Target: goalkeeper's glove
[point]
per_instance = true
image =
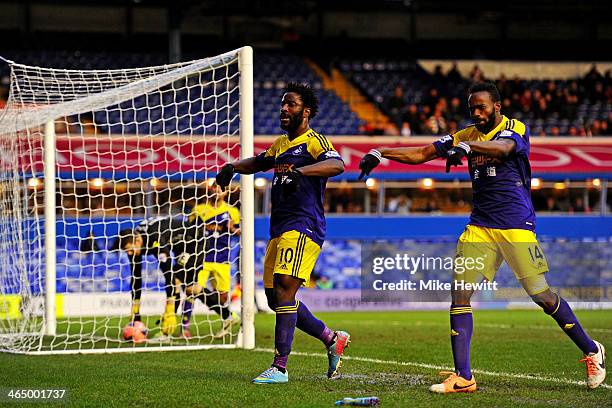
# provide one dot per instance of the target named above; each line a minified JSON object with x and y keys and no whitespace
{"x":368,"y":162}
{"x":224,"y":177}
{"x":290,"y":182}
{"x":182,"y":259}
{"x":168,"y":320}
{"x":455,"y":155}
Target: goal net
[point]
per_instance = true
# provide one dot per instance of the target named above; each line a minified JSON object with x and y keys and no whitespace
{"x":86,"y":156}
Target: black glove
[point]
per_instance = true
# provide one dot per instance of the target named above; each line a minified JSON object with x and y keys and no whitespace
{"x":290,"y":182}
{"x":368,"y":162}
{"x":455,"y":154}
{"x":224,"y":177}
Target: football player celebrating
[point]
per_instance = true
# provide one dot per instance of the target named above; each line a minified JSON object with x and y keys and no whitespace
{"x":302,"y":160}
{"x":501,"y":226}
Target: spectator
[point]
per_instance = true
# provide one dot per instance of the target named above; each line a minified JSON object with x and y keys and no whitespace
{"x":442,"y":105}
{"x":320,"y":281}
{"x":526,"y":101}
{"x":453,"y":75}
{"x":507,"y":107}
{"x":554,"y":131}
{"x":598,"y":94}
{"x":455,"y":110}
{"x":438,"y":76}
{"x":592,"y":77}
{"x":432,"y":206}
{"x":436,"y":124}
{"x":476,"y":74}
{"x":406,"y":130}
{"x":432,"y":99}
{"x":604,"y":128}
{"x":550,"y":87}
{"x":399,"y":205}
{"x":537,"y":95}
{"x":551,"y":205}
{"x":373,"y":128}
{"x":396,"y":103}
{"x":570,"y":108}
{"x":575,"y":89}
{"x":550,"y":104}
{"x":541,"y":108}
{"x":424,"y":115}
{"x":389,"y":129}
{"x":452,"y":127}
{"x":555,"y":100}
{"x":412,"y":117}
{"x":504,"y":87}
{"x":324,"y":283}
{"x":595,"y":128}
{"x":579,"y":206}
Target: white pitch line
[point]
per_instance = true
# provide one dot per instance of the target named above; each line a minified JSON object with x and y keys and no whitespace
{"x":552,"y":327}
{"x":443,"y":368}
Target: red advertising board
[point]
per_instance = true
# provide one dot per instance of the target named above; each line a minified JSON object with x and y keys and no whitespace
{"x":172,"y":155}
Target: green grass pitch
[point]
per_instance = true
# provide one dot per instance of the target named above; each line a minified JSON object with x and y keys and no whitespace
{"x":521,"y":358}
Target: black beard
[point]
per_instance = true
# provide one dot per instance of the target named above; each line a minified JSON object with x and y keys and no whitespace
{"x":488,"y":126}
{"x":294,"y":122}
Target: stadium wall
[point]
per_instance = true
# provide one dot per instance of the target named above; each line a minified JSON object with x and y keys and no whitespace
{"x":374,"y":227}
{"x":98,"y":283}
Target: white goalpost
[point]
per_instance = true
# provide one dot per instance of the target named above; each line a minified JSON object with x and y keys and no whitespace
{"x":86,"y":155}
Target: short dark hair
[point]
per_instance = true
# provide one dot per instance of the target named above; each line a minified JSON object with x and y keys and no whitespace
{"x":126,"y":236}
{"x":309,"y":99}
{"x":487,"y":86}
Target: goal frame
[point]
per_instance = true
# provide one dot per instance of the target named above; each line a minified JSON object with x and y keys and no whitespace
{"x":246,"y":336}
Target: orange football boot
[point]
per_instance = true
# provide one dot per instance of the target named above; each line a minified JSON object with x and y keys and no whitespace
{"x":454,"y":383}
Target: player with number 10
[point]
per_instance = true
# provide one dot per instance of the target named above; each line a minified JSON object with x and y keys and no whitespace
{"x":302,"y":161}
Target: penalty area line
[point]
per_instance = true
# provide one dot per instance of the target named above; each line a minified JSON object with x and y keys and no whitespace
{"x":443,"y":368}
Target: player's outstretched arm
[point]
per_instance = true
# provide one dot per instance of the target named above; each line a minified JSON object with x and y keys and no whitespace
{"x":498,"y":149}
{"x":406,"y":155}
{"x":250,"y":165}
{"x":291,"y":181}
{"x":494,"y":148}
{"x":409,"y":155}
{"x":325,"y":168}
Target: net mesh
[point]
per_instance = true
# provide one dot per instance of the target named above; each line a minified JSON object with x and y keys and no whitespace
{"x":131,"y":145}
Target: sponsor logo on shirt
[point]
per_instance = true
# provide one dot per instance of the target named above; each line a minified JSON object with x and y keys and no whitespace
{"x":331,"y":154}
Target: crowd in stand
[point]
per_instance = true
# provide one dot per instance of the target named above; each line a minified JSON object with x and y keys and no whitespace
{"x":581,"y":107}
